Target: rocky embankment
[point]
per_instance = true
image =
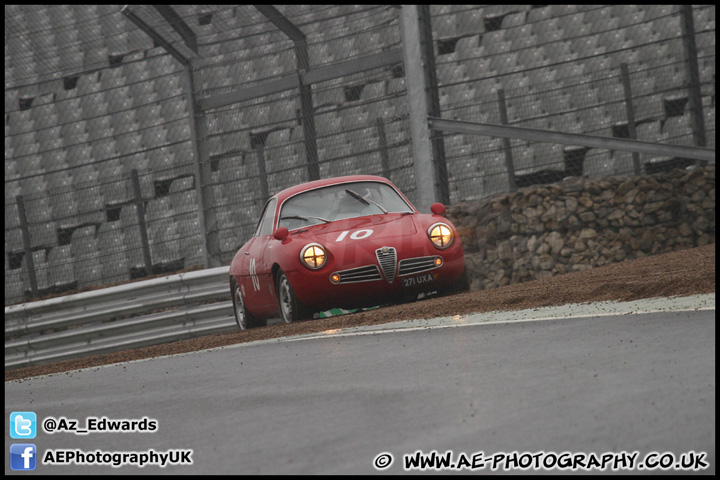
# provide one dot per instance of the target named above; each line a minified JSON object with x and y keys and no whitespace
{"x":541,"y":231}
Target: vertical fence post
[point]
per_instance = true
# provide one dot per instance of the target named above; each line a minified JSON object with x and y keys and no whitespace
{"x":308,"y":113}
{"x":200,"y":167}
{"x":433,"y":102}
{"x":382,"y":141}
{"x":630,"y":112}
{"x":423,"y":166}
{"x":509,"y":164}
{"x":141,"y":221}
{"x":209,"y":205}
{"x":259,"y":148}
{"x":26,"y":245}
{"x":303,"y":66}
{"x":692,"y":75}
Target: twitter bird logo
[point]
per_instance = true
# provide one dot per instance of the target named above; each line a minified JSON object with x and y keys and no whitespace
{"x":23,"y":425}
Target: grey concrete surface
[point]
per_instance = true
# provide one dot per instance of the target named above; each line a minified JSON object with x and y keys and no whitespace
{"x":642,"y":382}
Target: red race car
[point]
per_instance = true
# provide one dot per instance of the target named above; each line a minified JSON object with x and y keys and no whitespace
{"x":345,"y":242}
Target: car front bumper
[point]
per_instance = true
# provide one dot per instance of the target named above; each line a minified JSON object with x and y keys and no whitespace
{"x":376,"y":279}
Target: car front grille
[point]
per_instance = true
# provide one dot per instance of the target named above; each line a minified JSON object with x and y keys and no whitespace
{"x":411,"y":266}
{"x":387,"y":257}
{"x":368,"y":273}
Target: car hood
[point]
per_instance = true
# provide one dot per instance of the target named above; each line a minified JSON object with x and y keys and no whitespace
{"x":375,"y":227}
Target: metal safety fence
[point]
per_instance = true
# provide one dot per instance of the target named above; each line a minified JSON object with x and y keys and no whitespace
{"x":128,"y":316}
{"x":146,"y":139}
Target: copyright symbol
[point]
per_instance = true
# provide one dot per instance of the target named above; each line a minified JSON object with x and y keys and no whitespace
{"x":383,"y":461}
{"x":49,"y":425}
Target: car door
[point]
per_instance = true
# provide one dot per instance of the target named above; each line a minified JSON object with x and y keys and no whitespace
{"x":258,"y":283}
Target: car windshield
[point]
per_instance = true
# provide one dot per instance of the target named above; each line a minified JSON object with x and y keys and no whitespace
{"x":338,"y":202}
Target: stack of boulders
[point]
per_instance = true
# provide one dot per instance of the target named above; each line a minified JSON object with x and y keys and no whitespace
{"x":540,"y":231}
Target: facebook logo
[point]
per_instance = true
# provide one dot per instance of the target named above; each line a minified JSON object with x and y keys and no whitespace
{"x":23,"y":425}
{"x":22,"y":456}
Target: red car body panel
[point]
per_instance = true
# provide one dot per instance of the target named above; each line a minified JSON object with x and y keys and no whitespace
{"x":352,"y":245}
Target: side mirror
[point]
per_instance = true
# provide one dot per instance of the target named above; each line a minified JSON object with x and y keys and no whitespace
{"x":281,"y":233}
{"x":437,"y":208}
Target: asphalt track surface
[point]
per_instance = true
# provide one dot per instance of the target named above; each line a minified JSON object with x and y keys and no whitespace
{"x":331,"y":404}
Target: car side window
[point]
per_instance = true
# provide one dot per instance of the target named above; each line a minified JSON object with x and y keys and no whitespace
{"x":265,"y":227}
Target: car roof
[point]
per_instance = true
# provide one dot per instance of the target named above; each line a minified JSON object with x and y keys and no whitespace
{"x":289,"y":192}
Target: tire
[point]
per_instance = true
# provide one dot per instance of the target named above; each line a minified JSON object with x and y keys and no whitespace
{"x":291,"y":309}
{"x":243,"y":317}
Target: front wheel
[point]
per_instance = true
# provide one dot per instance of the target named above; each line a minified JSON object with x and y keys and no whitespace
{"x":243,"y":317}
{"x":291,"y":309}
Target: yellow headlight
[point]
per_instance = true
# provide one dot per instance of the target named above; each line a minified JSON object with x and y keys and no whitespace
{"x":313,"y":256}
{"x":440,"y":235}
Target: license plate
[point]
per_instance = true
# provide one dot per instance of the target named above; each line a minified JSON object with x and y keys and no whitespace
{"x":418,"y":280}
